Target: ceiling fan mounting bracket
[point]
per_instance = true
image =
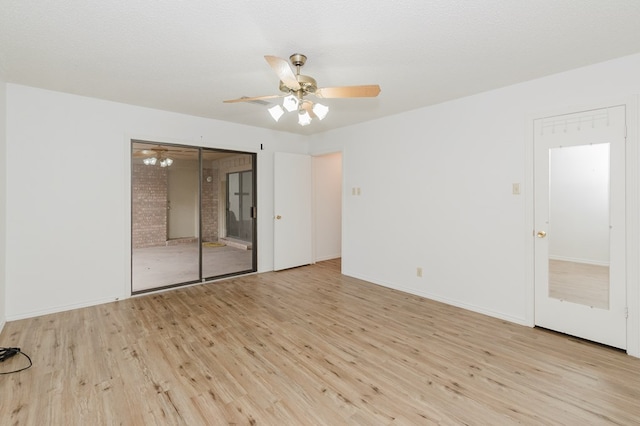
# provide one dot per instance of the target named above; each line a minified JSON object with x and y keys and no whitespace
{"x":298,"y":59}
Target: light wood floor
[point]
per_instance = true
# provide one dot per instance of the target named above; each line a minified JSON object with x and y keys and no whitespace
{"x":306,"y":346}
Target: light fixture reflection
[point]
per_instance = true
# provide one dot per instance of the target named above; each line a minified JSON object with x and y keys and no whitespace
{"x":290,"y":103}
{"x":320,"y":110}
{"x":276,"y":112}
{"x":161,"y":160}
{"x":304,"y":119}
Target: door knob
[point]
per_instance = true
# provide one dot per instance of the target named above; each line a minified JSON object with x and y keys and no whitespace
{"x":542,"y":234}
{"x":278,"y":217}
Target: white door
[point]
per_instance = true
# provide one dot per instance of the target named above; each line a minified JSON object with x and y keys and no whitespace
{"x":580,"y":225}
{"x":292,"y":211}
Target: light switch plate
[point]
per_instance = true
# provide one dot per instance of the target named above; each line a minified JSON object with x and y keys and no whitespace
{"x":516,"y":189}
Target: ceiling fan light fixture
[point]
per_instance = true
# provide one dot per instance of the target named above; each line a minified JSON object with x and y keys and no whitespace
{"x":290,"y":103}
{"x":304,"y":119}
{"x":166,"y":162}
{"x":296,"y":87}
{"x":320,"y":110}
{"x":276,"y":112}
{"x":151,"y":161}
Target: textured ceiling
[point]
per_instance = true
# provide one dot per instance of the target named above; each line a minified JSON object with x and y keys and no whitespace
{"x":188,"y":56}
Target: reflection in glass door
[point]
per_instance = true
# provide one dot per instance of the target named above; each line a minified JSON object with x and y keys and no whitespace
{"x":179,"y":228}
{"x":239,"y":205}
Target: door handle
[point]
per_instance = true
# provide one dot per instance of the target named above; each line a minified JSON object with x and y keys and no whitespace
{"x":541,"y":234}
{"x":278,"y":217}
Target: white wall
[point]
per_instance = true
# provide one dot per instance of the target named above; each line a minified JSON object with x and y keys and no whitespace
{"x":327,"y":210}
{"x":437,"y":189}
{"x":3,"y":185}
{"x":68,"y":192}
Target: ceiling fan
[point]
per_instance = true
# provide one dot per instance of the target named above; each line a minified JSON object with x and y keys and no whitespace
{"x":297,"y":86}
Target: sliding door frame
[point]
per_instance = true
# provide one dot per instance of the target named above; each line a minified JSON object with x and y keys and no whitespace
{"x":201,"y":278}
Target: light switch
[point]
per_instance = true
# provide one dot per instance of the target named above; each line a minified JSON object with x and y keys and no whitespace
{"x":516,"y":189}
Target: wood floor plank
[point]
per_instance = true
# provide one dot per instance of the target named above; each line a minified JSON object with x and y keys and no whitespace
{"x":306,"y":346}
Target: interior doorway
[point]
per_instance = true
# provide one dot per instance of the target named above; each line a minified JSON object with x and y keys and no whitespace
{"x":179,"y":229}
{"x":327,"y":206}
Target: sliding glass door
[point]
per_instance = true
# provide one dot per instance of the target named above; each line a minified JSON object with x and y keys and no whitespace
{"x":223,"y":251}
{"x":179,"y":220}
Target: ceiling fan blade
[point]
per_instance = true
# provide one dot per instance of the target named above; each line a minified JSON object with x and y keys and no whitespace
{"x":284,"y":71}
{"x":308,"y":106}
{"x":368,"y":91}
{"x":249,"y":99}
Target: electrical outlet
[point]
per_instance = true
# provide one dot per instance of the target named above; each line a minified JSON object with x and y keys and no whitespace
{"x":419,"y":272}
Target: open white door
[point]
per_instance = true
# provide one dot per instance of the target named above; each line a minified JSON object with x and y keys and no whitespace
{"x":292,"y":211}
{"x":580,"y":277}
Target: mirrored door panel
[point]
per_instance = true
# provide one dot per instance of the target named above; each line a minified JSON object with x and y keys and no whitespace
{"x":579,"y":224}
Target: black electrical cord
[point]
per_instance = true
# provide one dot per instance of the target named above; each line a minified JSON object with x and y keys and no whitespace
{"x":6,"y":353}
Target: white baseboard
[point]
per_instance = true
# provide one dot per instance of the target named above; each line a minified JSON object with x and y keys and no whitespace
{"x":456,"y":303}
{"x":62,"y":308}
{"x":328,"y":257}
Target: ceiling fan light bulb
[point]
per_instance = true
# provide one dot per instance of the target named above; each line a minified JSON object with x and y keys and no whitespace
{"x":290,"y":103}
{"x":151,"y":161}
{"x":276,"y":112}
{"x":304,"y":119}
{"x":169,"y":161}
{"x":320,"y":110}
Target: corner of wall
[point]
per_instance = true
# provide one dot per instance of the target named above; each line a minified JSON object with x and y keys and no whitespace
{"x":3,"y":198}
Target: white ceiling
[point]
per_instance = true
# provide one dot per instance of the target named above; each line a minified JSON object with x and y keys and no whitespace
{"x":189,"y":56}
